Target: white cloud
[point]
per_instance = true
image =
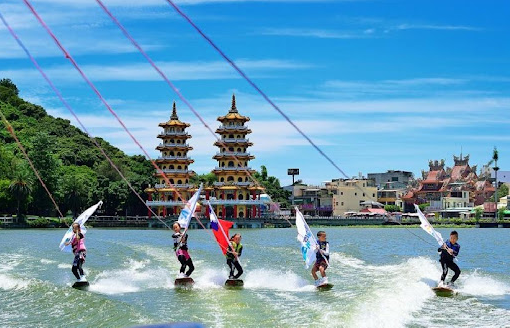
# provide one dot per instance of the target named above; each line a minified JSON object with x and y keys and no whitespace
{"x":317,"y":33}
{"x":200,"y":70}
{"x":436,"y":27}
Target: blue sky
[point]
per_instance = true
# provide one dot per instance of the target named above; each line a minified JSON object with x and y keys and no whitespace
{"x":377,"y":84}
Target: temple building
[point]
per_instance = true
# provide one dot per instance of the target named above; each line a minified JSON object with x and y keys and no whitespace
{"x":449,"y":190}
{"x":234,"y":194}
{"x":166,"y":198}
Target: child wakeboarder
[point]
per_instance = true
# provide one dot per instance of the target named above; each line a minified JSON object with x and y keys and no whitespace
{"x":80,"y":252}
{"x":181,"y":250}
{"x":322,"y":259}
{"x":449,"y":252}
{"x":235,"y":249}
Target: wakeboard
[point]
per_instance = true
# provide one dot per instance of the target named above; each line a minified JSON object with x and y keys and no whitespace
{"x":232,"y":283}
{"x":184,"y":282}
{"x":444,"y":291}
{"x":81,"y":285}
{"x":326,"y":286}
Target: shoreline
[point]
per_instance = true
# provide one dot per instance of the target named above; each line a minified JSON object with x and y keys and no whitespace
{"x":369,"y":226}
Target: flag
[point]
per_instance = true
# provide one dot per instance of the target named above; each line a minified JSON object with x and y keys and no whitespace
{"x":425,"y":225}
{"x":220,"y":230}
{"x":306,"y":238}
{"x":81,"y":221}
{"x":188,"y":210}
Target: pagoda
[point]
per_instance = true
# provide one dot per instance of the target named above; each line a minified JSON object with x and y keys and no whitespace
{"x":174,"y":162}
{"x":235,"y":195}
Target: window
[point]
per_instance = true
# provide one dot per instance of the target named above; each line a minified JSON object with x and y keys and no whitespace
{"x":336,"y":203}
{"x":172,"y":153}
{"x":230,"y":178}
{"x":222,"y":180}
{"x":239,"y":179}
{"x":394,"y":179}
{"x":179,"y":167}
{"x":231,"y":164}
{"x":355,"y":194}
{"x":342,"y":203}
{"x":171,"y":167}
{"x":172,"y":181}
{"x":363,"y":194}
{"x":341,"y":193}
{"x":373,"y":195}
{"x":179,"y":182}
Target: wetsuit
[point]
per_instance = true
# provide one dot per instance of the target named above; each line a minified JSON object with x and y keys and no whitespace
{"x":232,"y":261}
{"x":322,"y":255}
{"x":182,"y":253}
{"x":80,"y":253}
{"x":446,"y":260}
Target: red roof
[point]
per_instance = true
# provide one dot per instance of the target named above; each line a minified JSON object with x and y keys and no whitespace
{"x":374,"y":210}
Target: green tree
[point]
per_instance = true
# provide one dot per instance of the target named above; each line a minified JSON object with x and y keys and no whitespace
{"x":20,"y":187}
{"x":501,"y":214}
{"x":7,"y":83}
{"x":208,"y":179}
{"x":392,"y":208}
{"x":6,"y":199}
{"x":272,"y":187}
{"x":47,"y":164}
{"x":478,"y":213}
{"x":75,"y":185}
{"x":502,"y":192}
{"x":423,"y":206}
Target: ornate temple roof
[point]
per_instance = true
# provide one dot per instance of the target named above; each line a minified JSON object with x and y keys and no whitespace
{"x":174,"y":119}
{"x":233,"y":114}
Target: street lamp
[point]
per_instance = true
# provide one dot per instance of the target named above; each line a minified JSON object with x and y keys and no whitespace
{"x":495,"y":157}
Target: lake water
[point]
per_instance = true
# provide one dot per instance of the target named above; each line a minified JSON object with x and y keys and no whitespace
{"x":382,"y":278}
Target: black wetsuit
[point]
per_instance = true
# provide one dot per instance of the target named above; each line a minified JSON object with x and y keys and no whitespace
{"x":446,"y":261}
{"x":232,"y":261}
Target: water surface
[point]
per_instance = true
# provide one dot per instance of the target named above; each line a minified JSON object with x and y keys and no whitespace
{"x":382,"y":278}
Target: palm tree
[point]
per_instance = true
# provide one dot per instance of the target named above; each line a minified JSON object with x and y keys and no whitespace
{"x":20,"y":187}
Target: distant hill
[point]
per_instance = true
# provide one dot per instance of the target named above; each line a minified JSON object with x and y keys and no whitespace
{"x":71,"y":166}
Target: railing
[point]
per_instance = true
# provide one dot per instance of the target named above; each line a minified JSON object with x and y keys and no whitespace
{"x":238,"y":201}
{"x":174,"y":157}
{"x":232,"y":153}
{"x":233,"y":127}
{"x":174,"y":171}
{"x":172,"y":145}
{"x":232,"y":168}
{"x":228,"y":183}
{"x":164,"y":203}
{"x":173,"y":134}
{"x":164,"y":185}
{"x":235,"y":140}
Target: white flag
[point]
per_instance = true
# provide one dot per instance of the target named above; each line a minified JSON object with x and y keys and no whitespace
{"x":188,"y":210}
{"x":81,"y":221}
{"x":306,"y":238}
{"x":425,"y":225}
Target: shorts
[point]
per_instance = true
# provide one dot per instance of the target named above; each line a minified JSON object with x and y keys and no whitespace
{"x":320,"y":263}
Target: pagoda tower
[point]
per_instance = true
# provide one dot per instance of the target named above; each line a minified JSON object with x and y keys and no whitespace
{"x":174,"y":162}
{"x":236,"y":196}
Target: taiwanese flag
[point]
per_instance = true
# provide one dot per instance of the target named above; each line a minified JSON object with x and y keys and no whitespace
{"x":220,"y":230}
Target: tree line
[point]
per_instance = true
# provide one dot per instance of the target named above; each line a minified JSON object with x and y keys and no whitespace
{"x":72,"y":167}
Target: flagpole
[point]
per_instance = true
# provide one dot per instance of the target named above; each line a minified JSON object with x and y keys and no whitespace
{"x":192,"y":211}
{"x":222,"y":231}
{"x":315,"y":240}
